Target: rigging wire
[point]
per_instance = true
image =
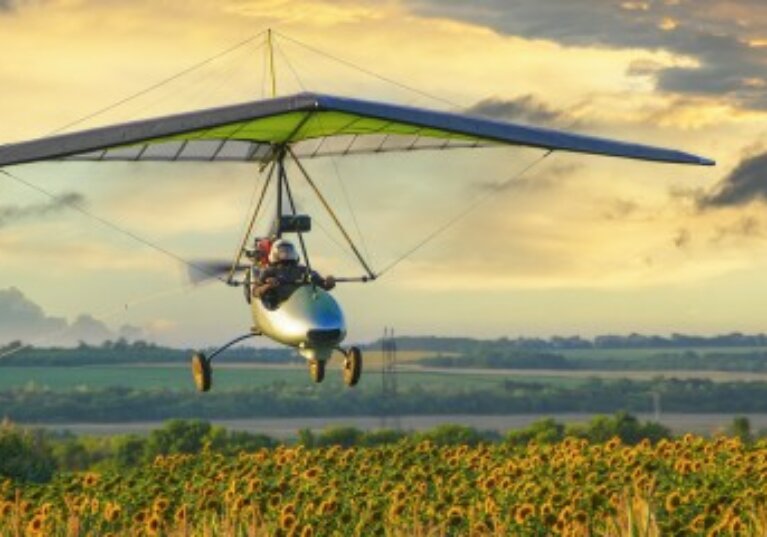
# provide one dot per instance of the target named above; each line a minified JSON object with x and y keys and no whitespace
{"x":329,"y":209}
{"x":369,"y":72}
{"x":207,"y":84}
{"x":249,"y":223}
{"x":107,"y":223}
{"x":461,"y":215}
{"x":333,"y":158}
{"x":159,"y":84}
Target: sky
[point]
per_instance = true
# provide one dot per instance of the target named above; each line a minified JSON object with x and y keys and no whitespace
{"x":579,"y":245}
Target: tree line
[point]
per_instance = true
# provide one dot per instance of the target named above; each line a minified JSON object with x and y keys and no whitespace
{"x":121,"y":404}
{"x":36,"y":455}
{"x":748,"y":361}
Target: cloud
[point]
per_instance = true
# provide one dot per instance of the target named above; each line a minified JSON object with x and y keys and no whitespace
{"x":21,"y":319}
{"x":745,"y":227}
{"x":682,"y":238}
{"x":729,"y":62}
{"x":10,"y":214}
{"x":745,"y":184}
{"x":526,"y":108}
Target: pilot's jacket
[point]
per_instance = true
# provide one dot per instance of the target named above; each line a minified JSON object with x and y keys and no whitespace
{"x":290,"y":277}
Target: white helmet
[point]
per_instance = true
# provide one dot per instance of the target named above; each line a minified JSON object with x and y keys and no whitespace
{"x":283,"y":251}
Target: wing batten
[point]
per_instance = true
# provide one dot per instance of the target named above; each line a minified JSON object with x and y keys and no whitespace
{"x":304,"y":117}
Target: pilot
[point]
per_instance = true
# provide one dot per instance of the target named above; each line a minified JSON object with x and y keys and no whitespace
{"x":284,"y":274}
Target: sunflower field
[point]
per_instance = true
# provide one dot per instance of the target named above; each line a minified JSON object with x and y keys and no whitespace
{"x":686,"y":486}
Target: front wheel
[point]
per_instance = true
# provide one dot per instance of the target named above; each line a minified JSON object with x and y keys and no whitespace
{"x":201,"y":372}
{"x":352,"y":366}
{"x":317,"y":370}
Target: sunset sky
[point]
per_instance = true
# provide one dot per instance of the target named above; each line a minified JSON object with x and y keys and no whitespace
{"x":581,"y":245}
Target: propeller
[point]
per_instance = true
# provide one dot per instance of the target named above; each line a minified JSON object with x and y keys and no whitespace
{"x":201,"y":271}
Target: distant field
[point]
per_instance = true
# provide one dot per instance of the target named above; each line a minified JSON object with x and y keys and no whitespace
{"x":572,"y":376}
{"x":243,"y":376}
{"x":374,"y":358}
{"x":226,"y":377}
{"x":638,"y":354}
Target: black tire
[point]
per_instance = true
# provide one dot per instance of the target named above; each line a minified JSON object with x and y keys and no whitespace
{"x":353,"y":366}
{"x":317,"y":370}
{"x":201,"y":372}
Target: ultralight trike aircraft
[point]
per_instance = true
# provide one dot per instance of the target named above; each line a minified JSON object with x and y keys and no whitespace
{"x":280,"y":130}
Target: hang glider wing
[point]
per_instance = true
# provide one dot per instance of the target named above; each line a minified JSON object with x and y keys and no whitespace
{"x":314,"y":125}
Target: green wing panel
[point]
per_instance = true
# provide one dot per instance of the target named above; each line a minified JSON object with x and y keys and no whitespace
{"x":250,"y":131}
{"x":300,"y":126}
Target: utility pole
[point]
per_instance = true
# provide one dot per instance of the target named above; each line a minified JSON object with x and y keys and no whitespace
{"x":656,"y":406}
{"x":389,"y":412}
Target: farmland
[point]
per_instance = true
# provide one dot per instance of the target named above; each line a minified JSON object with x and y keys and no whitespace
{"x":413,"y":487}
{"x":232,"y":376}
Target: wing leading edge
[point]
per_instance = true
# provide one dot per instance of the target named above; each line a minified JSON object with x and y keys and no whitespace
{"x":315,"y":125}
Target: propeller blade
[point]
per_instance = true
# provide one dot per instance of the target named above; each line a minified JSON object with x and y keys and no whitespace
{"x":201,"y":271}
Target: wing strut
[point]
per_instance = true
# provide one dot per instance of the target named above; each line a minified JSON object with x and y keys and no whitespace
{"x":249,"y":231}
{"x":370,"y":274}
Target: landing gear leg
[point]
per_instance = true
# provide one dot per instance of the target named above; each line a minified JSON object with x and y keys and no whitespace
{"x":317,"y":370}
{"x":202,"y":371}
{"x":352,"y":366}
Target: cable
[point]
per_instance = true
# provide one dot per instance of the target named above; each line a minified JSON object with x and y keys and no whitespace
{"x":333,"y":159}
{"x":75,"y":206}
{"x":332,"y":214}
{"x":451,"y":222}
{"x":158,"y":84}
{"x":369,"y":72}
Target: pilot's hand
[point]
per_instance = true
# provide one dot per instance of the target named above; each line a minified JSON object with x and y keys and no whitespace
{"x":330,"y":282}
{"x":272,"y":282}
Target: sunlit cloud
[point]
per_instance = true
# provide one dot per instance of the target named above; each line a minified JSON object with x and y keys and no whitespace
{"x":651,"y":72}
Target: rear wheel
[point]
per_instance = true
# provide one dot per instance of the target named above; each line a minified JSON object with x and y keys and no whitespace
{"x":201,"y":372}
{"x":317,"y":370}
{"x":352,"y":366}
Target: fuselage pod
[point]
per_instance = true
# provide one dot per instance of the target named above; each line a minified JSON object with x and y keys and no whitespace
{"x":310,"y":319}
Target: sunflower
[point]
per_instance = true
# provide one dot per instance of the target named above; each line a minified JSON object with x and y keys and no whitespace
{"x":140,"y":517}
{"x":673,"y":501}
{"x":523,"y":512}
{"x":396,"y":509}
{"x":112,"y":512}
{"x":153,"y":525}
{"x":90,"y":479}
{"x":287,"y":522}
{"x":36,"y":526}
{"x":735,"y":525}
{"x":455,"y":515}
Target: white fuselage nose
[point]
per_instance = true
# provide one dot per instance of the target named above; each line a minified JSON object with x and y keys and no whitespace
{"x":310,"y":320}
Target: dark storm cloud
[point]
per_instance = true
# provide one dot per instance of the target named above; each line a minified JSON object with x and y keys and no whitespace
{"x":746,"y":183}
{"x":13,"y":213}
{"x":714,"y":32}
{"x":526,"y":108}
